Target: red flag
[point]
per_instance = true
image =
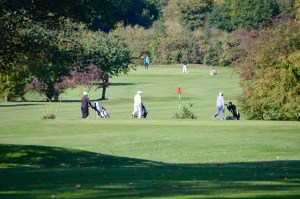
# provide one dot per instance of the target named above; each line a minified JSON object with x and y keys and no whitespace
{"x":178,"y":91}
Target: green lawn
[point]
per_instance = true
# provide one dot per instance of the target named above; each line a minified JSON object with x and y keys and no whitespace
{"x":156,"y":157}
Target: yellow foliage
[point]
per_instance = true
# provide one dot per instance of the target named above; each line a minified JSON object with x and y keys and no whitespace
{"x":218,"y":1}
{"x":297,"y":3}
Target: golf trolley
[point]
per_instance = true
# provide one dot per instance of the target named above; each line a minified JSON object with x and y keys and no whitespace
{"x":144,"y":112}
{"x":233,"y":110}
{"x":100,"y":111}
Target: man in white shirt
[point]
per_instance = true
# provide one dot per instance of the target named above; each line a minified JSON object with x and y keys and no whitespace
{"x":220,"y":106}
{"x":137,"y":105}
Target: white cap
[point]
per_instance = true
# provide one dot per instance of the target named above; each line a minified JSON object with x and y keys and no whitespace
{"x":139,"y":92}
{"x":220,"y":93}
{"x":85,"y":93}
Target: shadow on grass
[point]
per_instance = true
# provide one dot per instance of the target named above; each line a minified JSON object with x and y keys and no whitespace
{"x":49,"y":172}
{"x":18,"y":104}
{"x":116,"y":84}
{"x":35,"y":103}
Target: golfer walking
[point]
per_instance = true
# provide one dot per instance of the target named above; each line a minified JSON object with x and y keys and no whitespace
{"x":137,"y":105}
{"x":220,"y":106}
{"x":85,"y":103}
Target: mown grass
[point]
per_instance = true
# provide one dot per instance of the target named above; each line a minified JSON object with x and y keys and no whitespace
{"x":156,"y":157}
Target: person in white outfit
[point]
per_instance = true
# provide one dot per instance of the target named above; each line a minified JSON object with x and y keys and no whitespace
{"x":220,"y":106}
{"x":137,"y":105}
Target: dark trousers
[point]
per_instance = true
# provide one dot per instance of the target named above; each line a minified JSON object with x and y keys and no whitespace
{"x":85,"y":112}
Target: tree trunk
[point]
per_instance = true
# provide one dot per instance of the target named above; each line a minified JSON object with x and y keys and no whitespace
{"x":55,"y":98}
{"x":103,"y":93}
{"x":49,"y":97}
{"x":23,"y":98}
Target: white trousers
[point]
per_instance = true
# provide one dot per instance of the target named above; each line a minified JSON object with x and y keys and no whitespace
{"x":137,"y":111}
{"x":184,"y":69}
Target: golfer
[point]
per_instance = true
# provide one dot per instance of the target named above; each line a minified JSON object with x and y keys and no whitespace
{"x":85,"y":103}
{"x":220,"y":106}
{"x":147,"y":61}
{"x":184,"y":67}
{"x":137,"y":105}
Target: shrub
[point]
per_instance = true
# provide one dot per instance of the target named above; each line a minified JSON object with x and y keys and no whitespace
{"x":49,"y":116}
{"x":185,"y":114}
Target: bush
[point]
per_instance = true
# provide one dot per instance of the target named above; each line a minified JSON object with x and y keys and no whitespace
{"x":270,"y":74}
{"x":49,"y":116}
{"x":185,"y":114}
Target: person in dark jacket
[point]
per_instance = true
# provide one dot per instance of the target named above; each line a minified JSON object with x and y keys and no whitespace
{"x":85,"y":103}
{"x":185,"y":66}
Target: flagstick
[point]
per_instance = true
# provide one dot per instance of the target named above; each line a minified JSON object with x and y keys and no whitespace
{"x":179,"y":104}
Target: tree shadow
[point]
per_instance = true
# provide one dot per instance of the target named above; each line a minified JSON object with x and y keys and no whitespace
{"x":70,"y":101}
{"x":35,"y":103}
{"x":15,"y":105}
{"x":52,"y":172}
{"x":122,"y":84}
{"x":117,"y":84}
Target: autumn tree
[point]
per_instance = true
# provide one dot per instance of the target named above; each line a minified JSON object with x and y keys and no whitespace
{"x":83,"y":75}
{"x":270,"y":74}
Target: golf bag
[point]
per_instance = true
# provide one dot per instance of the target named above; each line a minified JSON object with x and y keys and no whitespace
{"x":144,"y":112}
{"x":100,"y":111}
{"x":213,"y":72}
{"x":234,"y":112}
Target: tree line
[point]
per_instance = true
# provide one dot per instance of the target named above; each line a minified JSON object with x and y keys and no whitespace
{"x":57,"y":45}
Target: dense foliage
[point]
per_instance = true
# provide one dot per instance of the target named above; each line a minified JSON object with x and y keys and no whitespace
{"x":194,"y":13}
{"x":43,"y":42}
{"x":270,"y":74}
{"x":251,"y":14}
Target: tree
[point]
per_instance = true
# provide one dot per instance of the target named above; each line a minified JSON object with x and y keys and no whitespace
{"x":13,"y":82}
{"x":270,"y":74}
{"x":74,"y":45}
{"x":108,"y":52}
{"x":51,"y":54}
{"x":220,"y":17}
{"x":13,"y":69}
{"x":251,"y":14}
{"x":194,"y":12}
{"x":82,"y":75}
{"x":33,"y":32}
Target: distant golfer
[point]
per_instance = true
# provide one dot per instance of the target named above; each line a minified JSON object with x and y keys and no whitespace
{"x":220,"y":106}
{"x":185,"y":66}
{"x":137,"y":105}
{"x":85,"y":103}
{"x":147,"y":61}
